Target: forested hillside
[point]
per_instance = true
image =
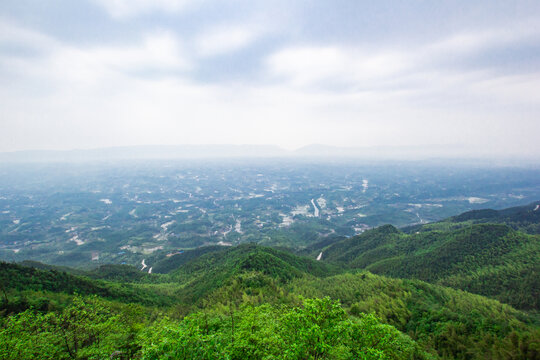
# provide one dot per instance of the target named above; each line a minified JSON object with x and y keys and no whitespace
{"x":490,"y":259}
{"x":254,"y":302}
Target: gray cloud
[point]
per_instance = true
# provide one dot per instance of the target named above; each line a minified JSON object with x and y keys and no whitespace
{"x":290,"y":74}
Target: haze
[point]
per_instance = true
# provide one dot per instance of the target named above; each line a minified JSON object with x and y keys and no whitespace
{"x":103,"y":73}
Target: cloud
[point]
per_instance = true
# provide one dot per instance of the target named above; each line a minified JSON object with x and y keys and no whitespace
{"x":464,"y":43}
{"x":159,"y":51}
{"x":446,"y":63}
{"x":63,"y":94}
{"x":131,"y":8}
{"x":430,"y":92}
{"x":225,"y":39}
{"x":12,"y":35}
{"x":306,"y":66}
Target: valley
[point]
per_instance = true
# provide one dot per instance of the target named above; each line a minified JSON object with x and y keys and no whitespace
{"x":120,"y":213}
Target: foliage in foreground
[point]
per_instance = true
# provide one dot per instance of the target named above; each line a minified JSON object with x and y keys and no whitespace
{"x":451,"y":323}
{"x":93,"y":329}
{"x":444,"y":322}
{"x":88,"y":329}
{"x":319,"y":329}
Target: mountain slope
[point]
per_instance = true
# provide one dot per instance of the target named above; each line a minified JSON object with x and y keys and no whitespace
{"x":210,"y":271}
{"x":16,"y":279}
{"x":224,"y":285}
{"x":173,"y":262}
{"x":450,"y":323}
{"x":523,"y":218}
{"x":489,"y":259}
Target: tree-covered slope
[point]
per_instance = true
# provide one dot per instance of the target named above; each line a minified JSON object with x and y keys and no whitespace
{"x":173,"y":262}
{"x":523,"y":218}
{"x":210,"y":271}
{"x":258,"y":290}
{"x":446,"y":322}
{"x":16,"y":279}
{"x":352,"y":249}
{"x":489,"y":259}
{"x":314,"y":329}
{"x":450,"y":323}
{"x":94,"y":329}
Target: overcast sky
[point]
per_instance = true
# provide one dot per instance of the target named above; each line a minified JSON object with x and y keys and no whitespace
{"x":99,"y":73}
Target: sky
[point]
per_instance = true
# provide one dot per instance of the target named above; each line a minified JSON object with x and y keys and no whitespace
{"x":101,"y":73}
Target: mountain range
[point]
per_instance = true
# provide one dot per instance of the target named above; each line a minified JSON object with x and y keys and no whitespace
{"x":226,"y":151}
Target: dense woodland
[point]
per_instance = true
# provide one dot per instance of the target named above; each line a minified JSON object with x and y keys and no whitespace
{"x":463,"y":288}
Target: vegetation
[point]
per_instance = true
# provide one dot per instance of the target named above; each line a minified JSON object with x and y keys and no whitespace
{"x":16,"y":281}
{"x":319,"y":329}
{"x":211,"y":271}
{"x":255,"y":302}
{"x":451,"y":323}
{"x":487,"y":259}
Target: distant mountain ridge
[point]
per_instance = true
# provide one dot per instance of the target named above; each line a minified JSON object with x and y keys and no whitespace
{"x":220,"y":151}
{"x":524,"y":218}
{"x":145,"y":152}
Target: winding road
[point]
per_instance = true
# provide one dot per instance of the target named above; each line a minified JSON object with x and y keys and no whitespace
{"x":315,"y":208}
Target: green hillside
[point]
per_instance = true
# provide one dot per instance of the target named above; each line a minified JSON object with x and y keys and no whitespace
{"x":451,"y":323}
{"x":422,"y":320}
{"x":20,"y":284}
{"x":170,"y":263}
{"x":523,"y":218}
{"x":254,"y":302}
{"x":488,"y":259}
{"x":203,"y":274}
